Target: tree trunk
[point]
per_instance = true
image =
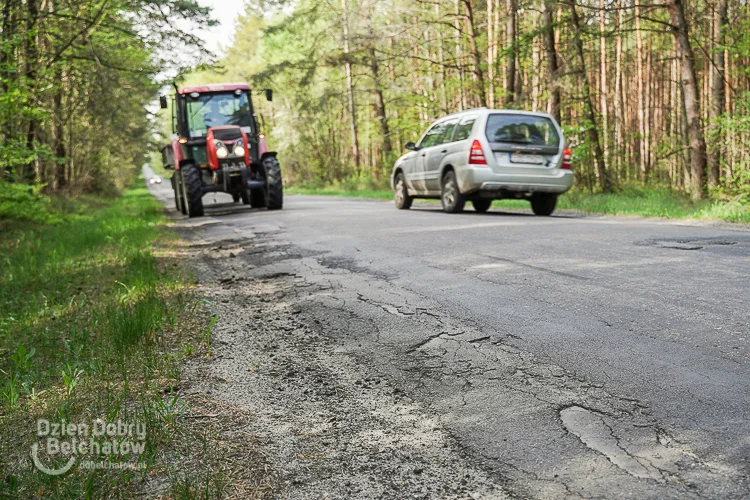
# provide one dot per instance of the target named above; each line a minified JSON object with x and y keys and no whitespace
{"x":716,"y":152}
{"x":642,"y":153}
{"x":553,"y":106}
{"x":592,"y":131}
{"x":475,"y":55}
{"x":490,"y":59}
{"x":510,"y":75}
{"x":691,"y":96}
{"x":459,"y":53}
{"x":379,"y":104}
{"x":603,"y":80}
{"x":350,"y":88}
{"x":619,"y":108}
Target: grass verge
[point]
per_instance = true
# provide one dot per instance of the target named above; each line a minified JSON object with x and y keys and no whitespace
{"x":96,"y":319}
{"x":644,"y":202}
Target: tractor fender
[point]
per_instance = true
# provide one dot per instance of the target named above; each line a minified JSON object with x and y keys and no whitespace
{"x":268,"y":154}
{"x":177,"y":155}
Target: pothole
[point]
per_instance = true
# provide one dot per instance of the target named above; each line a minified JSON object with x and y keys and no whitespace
{"x":687,"y":244}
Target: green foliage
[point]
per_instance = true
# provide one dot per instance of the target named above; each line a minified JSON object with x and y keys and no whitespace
{"x":20,"y":202}
{"x":75,"y":83}
{"x":427,"y":59}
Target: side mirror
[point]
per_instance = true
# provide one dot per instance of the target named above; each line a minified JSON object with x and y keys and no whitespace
{"x":411,"y":146}
{"x":269,"y":95}
{"x":163,"y":101}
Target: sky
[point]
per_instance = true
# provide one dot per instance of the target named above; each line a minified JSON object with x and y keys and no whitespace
{"x":225,"y":11}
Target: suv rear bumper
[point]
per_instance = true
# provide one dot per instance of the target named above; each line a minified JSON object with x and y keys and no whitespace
{"x":484,"y":180}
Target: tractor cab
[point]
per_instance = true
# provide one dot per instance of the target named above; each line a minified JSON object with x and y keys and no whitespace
{"x":217,"y":136}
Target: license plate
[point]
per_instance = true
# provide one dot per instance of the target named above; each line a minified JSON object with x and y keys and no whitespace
{"x":529,"y":159}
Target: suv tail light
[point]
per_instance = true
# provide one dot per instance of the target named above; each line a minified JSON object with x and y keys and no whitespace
{"x":476,"y":156}
{"x":566,"y":159}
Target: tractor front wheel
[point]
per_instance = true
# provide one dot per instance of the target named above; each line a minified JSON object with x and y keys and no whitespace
{"x":193,"y":185}
{"x":180,"y":185}
{"x":274,"y":189}
{"x":176,"y":190}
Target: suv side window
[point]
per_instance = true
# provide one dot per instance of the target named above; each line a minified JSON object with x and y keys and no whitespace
{"x":432,"y":136}
{"x":463,"y":131}
{"x":447,"y":135}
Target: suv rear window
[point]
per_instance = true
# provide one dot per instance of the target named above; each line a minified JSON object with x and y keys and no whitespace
{"x":522,"y":129}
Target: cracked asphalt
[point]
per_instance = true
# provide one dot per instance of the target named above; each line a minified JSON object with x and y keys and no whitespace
{"x":388,"y":353}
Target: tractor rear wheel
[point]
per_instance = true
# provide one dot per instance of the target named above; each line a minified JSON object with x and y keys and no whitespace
{"x":274,"y":188}
{"x":193,"y":185}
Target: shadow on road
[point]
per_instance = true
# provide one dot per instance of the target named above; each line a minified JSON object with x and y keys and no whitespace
{"x":495,"y":213}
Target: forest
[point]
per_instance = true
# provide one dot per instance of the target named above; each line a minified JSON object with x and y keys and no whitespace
{"x":76,"y":81}
{"x":653,"y":94}
{"x":649,"y":94}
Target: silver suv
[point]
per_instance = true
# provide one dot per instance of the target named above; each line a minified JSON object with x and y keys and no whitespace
{"x":482,"y":155}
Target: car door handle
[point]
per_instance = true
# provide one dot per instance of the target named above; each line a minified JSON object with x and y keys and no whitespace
{"x":444,"y":151}
{"x":423,"y":154}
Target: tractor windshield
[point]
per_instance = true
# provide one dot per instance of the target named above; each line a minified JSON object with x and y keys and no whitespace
{"x":217,"y":109}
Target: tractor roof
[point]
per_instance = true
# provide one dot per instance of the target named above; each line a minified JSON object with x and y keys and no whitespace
{"x":215,"y":87}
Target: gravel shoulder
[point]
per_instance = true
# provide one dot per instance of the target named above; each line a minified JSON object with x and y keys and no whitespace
{"x":328,"y":425}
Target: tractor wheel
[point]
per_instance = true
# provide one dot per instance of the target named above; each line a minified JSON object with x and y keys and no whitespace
{"x":274,"y":188}
{"x":244,"y":194}
{"x":180,"y":192}
{"x":177,"y":199}
{"x":193,"y":185}
{"x":257,"y":198}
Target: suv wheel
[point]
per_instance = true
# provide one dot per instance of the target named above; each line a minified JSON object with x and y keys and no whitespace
{"x":481,"y":206}
{"x":452,"y":199}
{"x":400,"y":194}
{"x":543,"y":203}
{"x":193,"y":185}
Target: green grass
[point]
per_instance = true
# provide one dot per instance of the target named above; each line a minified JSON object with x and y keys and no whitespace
{"x":379,"y":194}
{"x":635,"y":201}
{"x":94,"y":316}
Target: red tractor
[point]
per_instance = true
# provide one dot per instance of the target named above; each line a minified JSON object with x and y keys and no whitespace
{"x":217,"y":147}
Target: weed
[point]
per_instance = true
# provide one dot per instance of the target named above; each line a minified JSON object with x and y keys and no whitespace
{"x":71,"y":376}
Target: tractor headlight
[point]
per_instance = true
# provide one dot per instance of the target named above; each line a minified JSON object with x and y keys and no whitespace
{"x":239,"y":148}
{"x":221,"y":150}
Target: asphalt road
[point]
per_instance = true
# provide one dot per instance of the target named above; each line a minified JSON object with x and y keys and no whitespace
{"x":580,"y":356}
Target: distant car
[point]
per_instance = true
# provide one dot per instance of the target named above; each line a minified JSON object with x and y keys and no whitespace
{"x":482,"y":155}
{"x":155,"y":180}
